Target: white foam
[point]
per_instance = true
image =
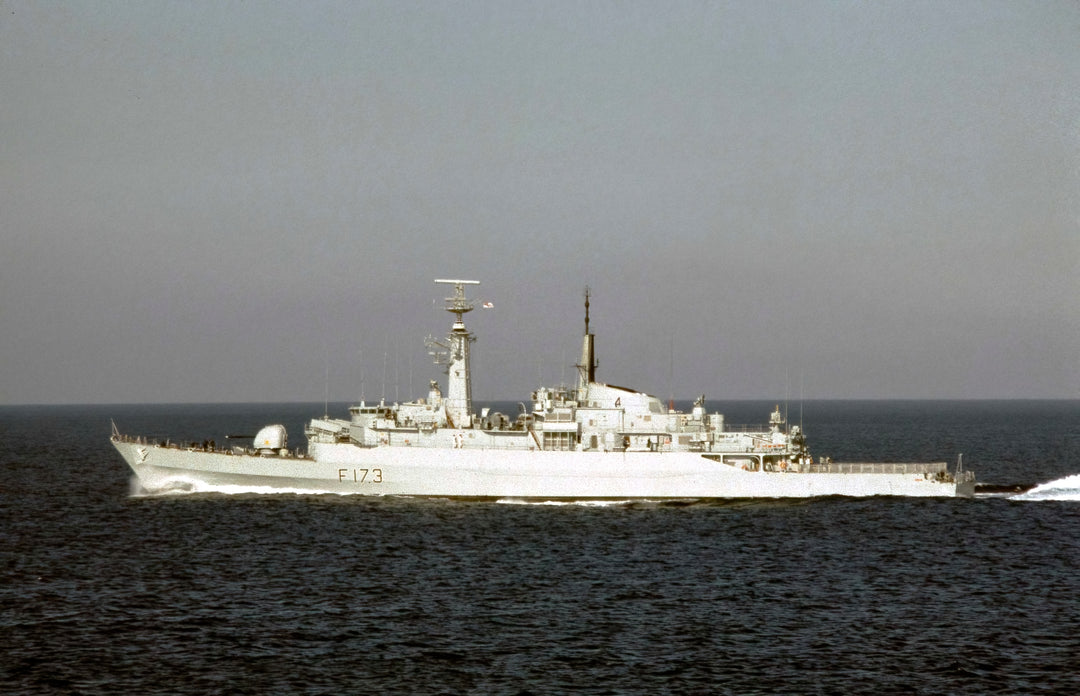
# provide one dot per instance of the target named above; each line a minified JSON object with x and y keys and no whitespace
{"x":187,"y":486}
{"x":581,"y":503}
{"x":1067,"y":488}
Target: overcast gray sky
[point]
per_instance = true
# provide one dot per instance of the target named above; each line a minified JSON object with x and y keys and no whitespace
{"x":225,"y":201}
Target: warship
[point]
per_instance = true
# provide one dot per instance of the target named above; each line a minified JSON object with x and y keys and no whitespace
{"x":589,"y":441}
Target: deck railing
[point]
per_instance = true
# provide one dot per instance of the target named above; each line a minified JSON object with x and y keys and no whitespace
{"x":875,"y":468}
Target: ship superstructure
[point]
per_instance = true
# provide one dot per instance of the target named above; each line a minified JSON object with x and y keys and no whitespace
{"x":591,"y":417}
{"x":590,"y":440}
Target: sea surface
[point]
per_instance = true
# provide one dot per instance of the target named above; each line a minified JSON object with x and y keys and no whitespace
{"x":105,"y":590}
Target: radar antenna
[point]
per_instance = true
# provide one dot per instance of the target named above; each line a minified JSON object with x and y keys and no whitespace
{"x":458,"y":304}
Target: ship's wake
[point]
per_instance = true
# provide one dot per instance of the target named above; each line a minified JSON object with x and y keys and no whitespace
{"x":186,"y":486}
{"x":1067,"y":488}
{"x":557,"y":503}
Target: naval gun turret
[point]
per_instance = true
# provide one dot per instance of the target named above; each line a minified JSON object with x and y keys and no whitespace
{"x":271,"y":440}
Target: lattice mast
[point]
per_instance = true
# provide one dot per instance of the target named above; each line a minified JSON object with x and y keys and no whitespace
{"x":454,"y":354}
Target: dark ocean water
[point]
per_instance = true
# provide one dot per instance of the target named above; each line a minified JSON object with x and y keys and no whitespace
{"x":103,"y":592}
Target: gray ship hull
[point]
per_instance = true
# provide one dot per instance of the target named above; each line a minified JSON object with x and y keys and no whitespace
{"x":347,"y":469}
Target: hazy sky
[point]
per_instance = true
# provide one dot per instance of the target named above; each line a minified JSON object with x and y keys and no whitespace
{"x":227,"y":201}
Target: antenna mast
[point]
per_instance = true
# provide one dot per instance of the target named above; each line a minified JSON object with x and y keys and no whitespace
{"x":587,"y":292}
{"x":587,"y":366}
{"x":454,"y":353}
